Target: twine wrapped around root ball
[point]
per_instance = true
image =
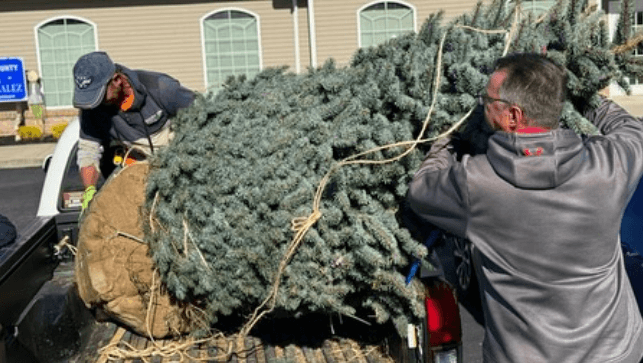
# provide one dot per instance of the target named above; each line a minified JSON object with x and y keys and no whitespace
{"x":113,"y":269}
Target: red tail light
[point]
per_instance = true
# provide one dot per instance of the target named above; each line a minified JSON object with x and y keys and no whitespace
{"x":443,"y":315}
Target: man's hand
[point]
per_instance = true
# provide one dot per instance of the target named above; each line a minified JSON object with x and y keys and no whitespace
{"x":438,"y":157}
{"x":88,"y":195}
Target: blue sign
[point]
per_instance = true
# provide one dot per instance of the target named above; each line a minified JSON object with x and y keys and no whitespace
{"x":13,"y":81}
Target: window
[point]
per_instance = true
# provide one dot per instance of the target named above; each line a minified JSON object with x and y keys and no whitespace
{"x":637,"y":26}
{"x":231,"y":46}
{"x":60,"y":43}
{"x":384,"y":20}
{"x":536,"y":7}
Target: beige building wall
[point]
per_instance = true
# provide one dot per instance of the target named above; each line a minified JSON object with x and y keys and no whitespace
{"x":164,"y":38}
{"x":451,"y":8}
{"x":19,"y":36}
{"x":337,"y":23}
{"x":336,"y":28}
{"x":160,"y":35}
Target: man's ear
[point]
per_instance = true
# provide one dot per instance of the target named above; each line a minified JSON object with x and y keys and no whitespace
{"x":516,"y":118}
{"x":122,"y":80}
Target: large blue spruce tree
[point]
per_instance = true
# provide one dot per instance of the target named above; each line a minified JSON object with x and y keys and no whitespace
{"x":247,"y":160}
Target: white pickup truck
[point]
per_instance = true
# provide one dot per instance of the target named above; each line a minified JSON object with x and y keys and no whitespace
{"x":44,"y":320}
{"x":62,"y":189}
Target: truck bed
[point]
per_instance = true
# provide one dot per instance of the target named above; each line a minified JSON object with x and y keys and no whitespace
{"x":49,"y":323}
{"x":312,"y":338}
{"x":251,"y":350}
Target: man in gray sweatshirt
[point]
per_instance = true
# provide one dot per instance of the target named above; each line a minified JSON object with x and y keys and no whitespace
{"x":543,"y":209}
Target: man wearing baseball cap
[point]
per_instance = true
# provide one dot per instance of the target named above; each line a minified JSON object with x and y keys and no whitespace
{"x":120,"y":106}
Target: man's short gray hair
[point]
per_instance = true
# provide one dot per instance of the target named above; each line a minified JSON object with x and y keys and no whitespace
{"x":536,"y":84}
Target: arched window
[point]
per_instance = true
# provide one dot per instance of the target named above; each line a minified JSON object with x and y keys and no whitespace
{"x":381,"y":21}
{"x":60,"y":43}
{"x":231,"y":45}
{"x":536,"y":7}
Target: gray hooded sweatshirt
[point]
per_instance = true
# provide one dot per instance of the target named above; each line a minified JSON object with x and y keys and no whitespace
{"x":543,"y":212}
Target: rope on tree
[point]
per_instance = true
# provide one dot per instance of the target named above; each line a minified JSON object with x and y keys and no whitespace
{"x":301,"y":225}
{"x":121,"y":350}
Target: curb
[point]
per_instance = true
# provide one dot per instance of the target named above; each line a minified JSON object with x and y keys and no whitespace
{"x":24,"y":163}
{"x":25,"y":155}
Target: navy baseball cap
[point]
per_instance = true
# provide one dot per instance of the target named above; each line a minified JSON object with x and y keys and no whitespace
{"x":92,"y":73}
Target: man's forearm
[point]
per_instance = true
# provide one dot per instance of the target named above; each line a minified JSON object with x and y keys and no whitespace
{"x":609,"y":117}
{"x":88,"y":159}
{"x":89,"y":175}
